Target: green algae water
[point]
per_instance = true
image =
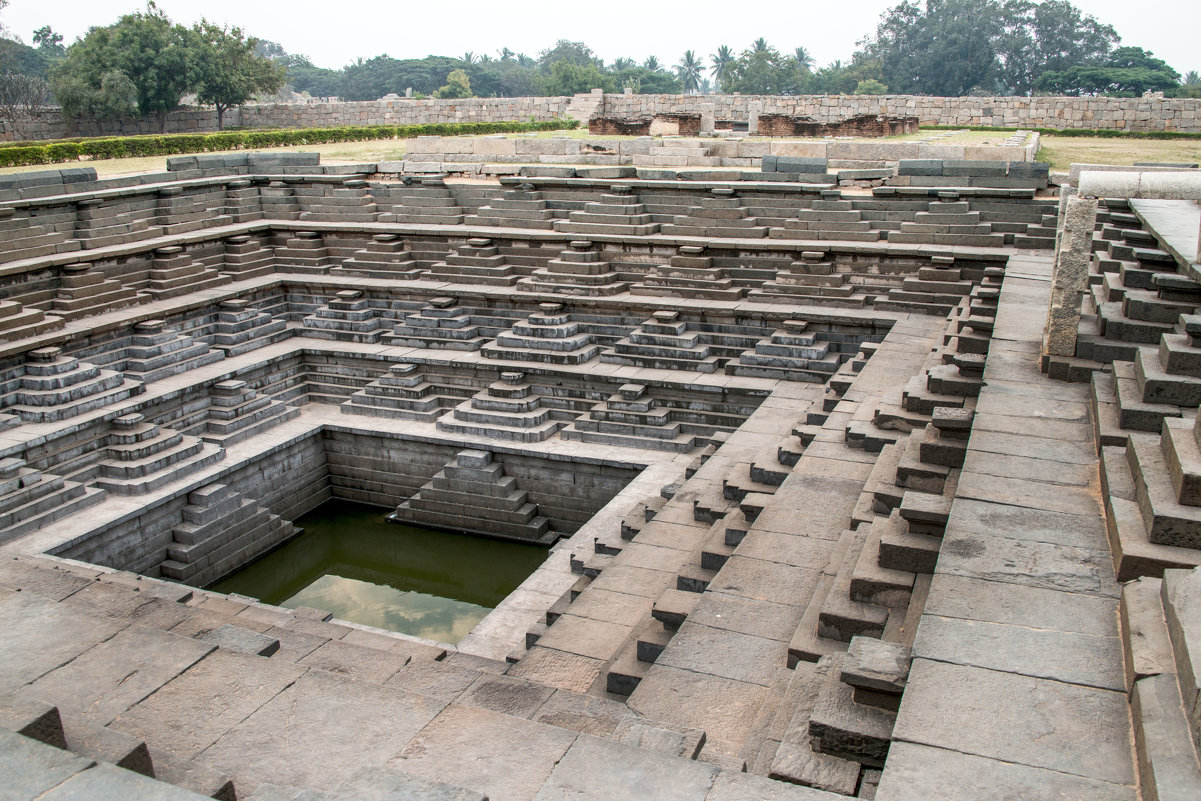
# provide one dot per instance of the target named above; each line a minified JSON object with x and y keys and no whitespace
{"x":417,"y":581}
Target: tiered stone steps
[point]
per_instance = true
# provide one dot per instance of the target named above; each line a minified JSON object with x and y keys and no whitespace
{"x":523,"y":207}
{"x":237,"y":412}
{"x":721,"y":215}
{"x":18,"y":322}
{"x":140,"y":457}
{"x":579,"y":270}
{"x":810,"y":279}
{"x":474,"y":483}
{"x":247,"y":256}
{"x":1159,"y":623}
{"x":181,"y":210}
{"x":55,"y":387}
{"x":30,"y":499}
{"x":386,"y":256}
{"x":664,"y":341}
{"x":405,"y":393}
{"x":549,"y":335}
{"x":304,"y":252}
{"x":689,"y":274}
{"x":173,"y":273}
{"x":792,"y":354}
{"x":350,"y":316}
{"x":23,"y":238}
{"x":441,"y":323}
{"x":509,"y":409}
{"x":479,"y":262}
{"x":239,"y":328}
{"x":632,"y":418}
{"x":221,"y":531}
{"x":84,"y":290}
{"x":351,"y":202}
{"x":831,"y":219}
{"x":617,"y":211}
{"x":430,"y":203}
{"x":155,"y":352}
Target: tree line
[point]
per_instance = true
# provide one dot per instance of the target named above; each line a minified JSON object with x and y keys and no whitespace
{"x":144,"y":64}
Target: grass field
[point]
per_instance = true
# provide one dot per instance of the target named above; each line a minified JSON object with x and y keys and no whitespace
{"x":1059,"y":151}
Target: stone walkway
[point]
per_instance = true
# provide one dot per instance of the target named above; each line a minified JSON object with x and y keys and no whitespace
{"x":1017,"y":678}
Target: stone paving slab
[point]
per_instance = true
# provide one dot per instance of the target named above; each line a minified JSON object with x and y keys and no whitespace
{"x":108,"y":679}
{"x":559,"y":669}
{"x":1085,"y":531}
{"x":922,"y":773}
{"x":767,"y":619}
{"x":594,"y":769}
{"x":110,"y":783}
{"x":729,"y":654}
{"x":1034,"y":564}
{"x":968,"y":598}
{"x":506,"y":695}
{"x":1062,"y":727}
{"x":31,"y":768}
{"x":40,"y":635}
{"x":722,"y":708}
{"x":1064,"y":656}
{"x":320,"y":731}
{"x":511,"y":758}
{"x":201,"y":705}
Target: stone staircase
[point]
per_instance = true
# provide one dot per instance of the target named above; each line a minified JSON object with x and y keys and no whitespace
{"x":30,"y":499}
{"x":1159,"y":622}
{"x":522,"y":207}
{"x":237,"y":412}
{"x":509,"y":409}
{"x":173,"y":272}
{"x":239,"y":328}
{"x":84,"y":290}
{"x":632,"y":418}
{"x":18,"y":322}
{"x":478,"y":262}
{"x":405,"y":392}
{"x":55,"y":387}
{"x":722,"y":214}
{"x":156,"y":352}
{"x":386,"y":256}
{"x":221,"y":531}
{"x":429,"y":203}
{"x":617,"y":211}
{"x":579,"y":270}
{"x":689,"y":274}
{"x":548,"y":335}
{"x":473,"y":481}
{"x":140,"y":457}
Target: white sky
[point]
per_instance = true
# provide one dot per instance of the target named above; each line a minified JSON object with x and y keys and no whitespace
{"x":334,"y":33}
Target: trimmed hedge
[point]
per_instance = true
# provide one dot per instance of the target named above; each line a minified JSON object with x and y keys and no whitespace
{"x":1099,"y":133}
{"x":22,"y":154}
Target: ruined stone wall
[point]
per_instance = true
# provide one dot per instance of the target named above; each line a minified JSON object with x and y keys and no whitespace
{"x":1112,"y":113}
{"x":50,"y":124}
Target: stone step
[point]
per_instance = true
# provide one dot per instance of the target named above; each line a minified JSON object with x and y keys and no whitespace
{"x":840,"y":727}
{"x":795,"y":759}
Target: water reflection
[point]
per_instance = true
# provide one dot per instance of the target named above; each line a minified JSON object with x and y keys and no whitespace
{"x":417,"y":581}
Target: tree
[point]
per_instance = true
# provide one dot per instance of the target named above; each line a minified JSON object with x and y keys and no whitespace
{"x":20,"y":96}
{"x":1047,"y":37}
{"x":143,"y":50}
{"x":228,"y":70}
{"x":804,"y":59}
{"x":646,"y":82}
{"x":652,"y":63}
{"x":763,"y":72}
{"x":574,"y":52}
{"x":49,"y":42}
{"x":689,"y":70}
{"x":870,"y":87}
{"x":946,"y":49}
{"x":1129,"y":71}
{"x":567,"y":78}
{"x":759,"y":45}
{"x":458,"y":84}
{"x":469,"y":58}
{"x":721,"y":61}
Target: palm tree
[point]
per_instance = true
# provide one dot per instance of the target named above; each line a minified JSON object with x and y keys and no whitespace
{"x":468,"y":58}
{"x":804,"y":59}
{"x":652,"y":64}
{"x":622,"y":64}
{"x":759,"y":45}
{"x":505,"y":54}
{"x":689,"y":70}
{"x":524,"y":60}
{"x":721,"y":63}
{"x":1191,"y":78}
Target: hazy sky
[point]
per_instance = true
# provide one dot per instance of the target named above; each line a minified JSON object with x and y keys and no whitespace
{"x":335,"y":33}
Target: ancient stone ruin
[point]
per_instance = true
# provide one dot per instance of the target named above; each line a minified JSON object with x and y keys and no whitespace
{"x":854,"y":482}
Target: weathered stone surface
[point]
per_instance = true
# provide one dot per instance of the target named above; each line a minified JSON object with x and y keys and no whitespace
{"x":604,"y":770}
{"x":107,"y":680}
{"x":294,"y":738}
{"x":195,"y":709}
{"x":496,"y":743}
{"x":922,"y":773}
{"x":1061,"y":727}
{"x":40,"y":635}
